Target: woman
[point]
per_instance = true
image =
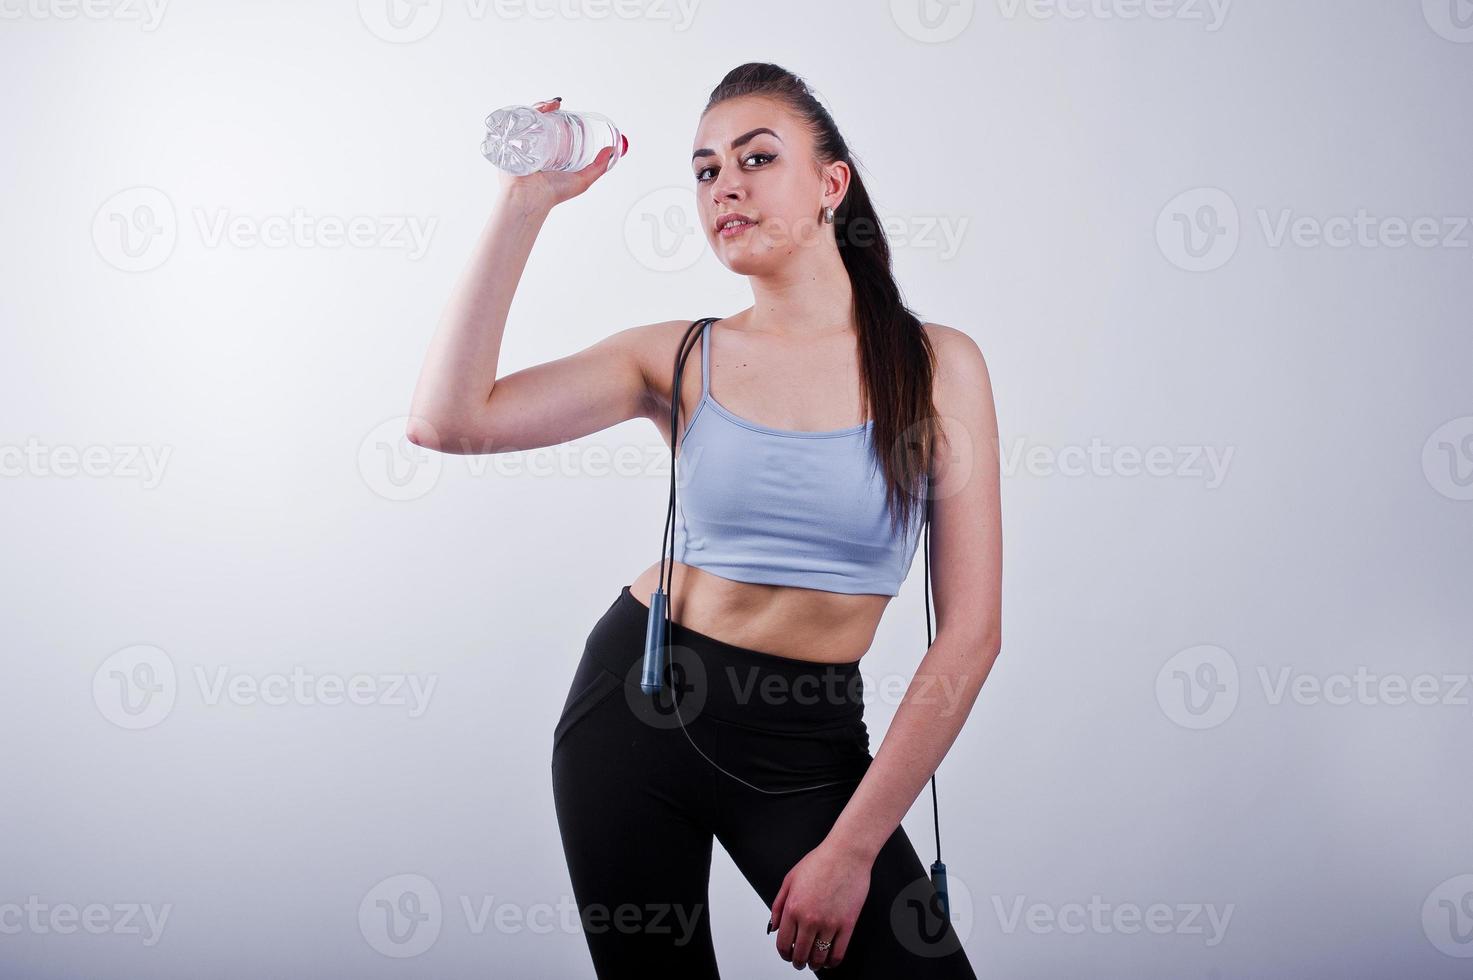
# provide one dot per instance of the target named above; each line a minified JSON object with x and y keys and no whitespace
{"x":793,"y":534}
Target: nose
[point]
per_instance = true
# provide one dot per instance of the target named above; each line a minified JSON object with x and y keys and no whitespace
{"x":725,"y":188}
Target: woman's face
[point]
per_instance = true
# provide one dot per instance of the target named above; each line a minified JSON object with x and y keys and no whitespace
{"x":753,"y":156}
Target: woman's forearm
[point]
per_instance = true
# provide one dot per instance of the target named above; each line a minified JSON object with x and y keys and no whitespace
{"x":936,"y":704}
{"x":460,"y":368}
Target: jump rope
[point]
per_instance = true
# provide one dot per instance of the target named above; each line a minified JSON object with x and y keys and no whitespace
{"x":658,"y":628}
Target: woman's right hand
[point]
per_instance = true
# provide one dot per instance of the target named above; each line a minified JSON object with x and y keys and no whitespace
{"x":550,"y":187}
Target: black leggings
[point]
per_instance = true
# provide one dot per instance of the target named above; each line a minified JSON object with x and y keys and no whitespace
{"x":638,"y":807}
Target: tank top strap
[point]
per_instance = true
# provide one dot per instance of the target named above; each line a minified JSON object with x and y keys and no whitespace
{"x":705,"y":360}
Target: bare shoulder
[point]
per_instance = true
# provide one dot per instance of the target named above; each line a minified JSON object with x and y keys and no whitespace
{"x":655,"y":346}
{"x":962,"y":396}
{"x":961,"y":369}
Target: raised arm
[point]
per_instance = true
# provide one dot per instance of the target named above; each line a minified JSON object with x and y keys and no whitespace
{"x":459,"y":403}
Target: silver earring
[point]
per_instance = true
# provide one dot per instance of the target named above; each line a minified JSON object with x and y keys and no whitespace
{"x":828,"y":215}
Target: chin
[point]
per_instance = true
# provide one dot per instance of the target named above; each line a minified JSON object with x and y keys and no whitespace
{"x":751,"y":261}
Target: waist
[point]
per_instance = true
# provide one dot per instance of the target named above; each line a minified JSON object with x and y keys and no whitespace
{"x":727,"y":681}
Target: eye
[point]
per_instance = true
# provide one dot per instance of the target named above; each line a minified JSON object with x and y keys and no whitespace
{"x":750,"y":156}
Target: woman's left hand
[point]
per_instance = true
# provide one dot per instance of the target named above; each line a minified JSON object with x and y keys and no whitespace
{"x":820,"y":899}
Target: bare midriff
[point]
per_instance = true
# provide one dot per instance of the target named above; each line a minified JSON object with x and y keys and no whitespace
{"x":786,"y":621}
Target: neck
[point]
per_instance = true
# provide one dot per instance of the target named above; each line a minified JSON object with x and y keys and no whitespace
{"x":811,"y":296}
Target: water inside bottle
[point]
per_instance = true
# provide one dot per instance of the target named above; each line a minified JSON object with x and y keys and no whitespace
{"x":521,"y":140}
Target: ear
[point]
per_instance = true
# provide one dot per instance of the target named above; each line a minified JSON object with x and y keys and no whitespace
{"x":836,"y":177}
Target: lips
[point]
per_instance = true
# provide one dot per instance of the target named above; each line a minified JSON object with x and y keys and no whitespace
{"x":729,"y":216}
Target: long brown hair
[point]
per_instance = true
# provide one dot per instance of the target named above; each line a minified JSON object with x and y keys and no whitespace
{"x":897,"y":361}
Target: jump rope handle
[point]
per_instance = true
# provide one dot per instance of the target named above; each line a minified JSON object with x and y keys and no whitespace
{"x":938,"y":879}
{"x":654,"y":645}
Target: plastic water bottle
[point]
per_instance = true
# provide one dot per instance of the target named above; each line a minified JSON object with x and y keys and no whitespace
{"x":521,"y":140}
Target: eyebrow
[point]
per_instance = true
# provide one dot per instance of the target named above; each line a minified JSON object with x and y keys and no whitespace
{"x":744,"y":138}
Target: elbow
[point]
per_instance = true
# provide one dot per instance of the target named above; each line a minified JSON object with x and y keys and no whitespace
{"x":424,"y":433}
{"x":992,"y":643}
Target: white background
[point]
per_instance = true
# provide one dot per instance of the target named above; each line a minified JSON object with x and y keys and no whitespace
{"x":287,"y":523}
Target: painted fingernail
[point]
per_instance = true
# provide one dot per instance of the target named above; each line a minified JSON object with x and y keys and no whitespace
{"x":558,"y":99}
{"x":770,"y":926}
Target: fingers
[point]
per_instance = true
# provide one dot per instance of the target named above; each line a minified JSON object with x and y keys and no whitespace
{"x":803,"y":944}
{"x":598,"y":167}
{"x":775,"y":918}
{"x":839,"y":948}
{"x":548,"y":105}
{"x":838,"y":942}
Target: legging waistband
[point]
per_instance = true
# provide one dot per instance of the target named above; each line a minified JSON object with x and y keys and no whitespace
{"x":727,"y":681}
